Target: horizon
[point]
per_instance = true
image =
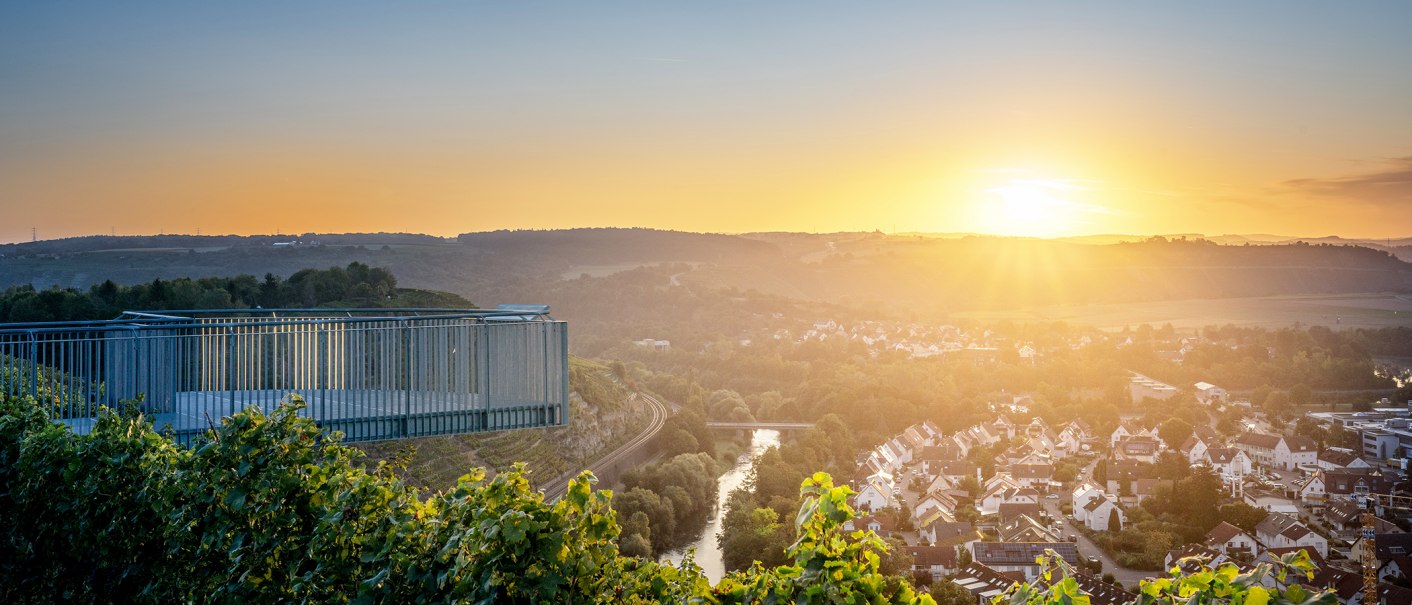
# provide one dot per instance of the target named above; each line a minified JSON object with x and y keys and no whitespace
{"x":1257,"y":238}
{"x":1026,"y":120}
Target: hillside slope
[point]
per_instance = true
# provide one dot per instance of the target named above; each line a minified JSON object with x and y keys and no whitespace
{"x":601,"y":417}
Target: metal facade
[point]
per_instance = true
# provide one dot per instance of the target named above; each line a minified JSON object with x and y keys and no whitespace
{"x":372,"y":374}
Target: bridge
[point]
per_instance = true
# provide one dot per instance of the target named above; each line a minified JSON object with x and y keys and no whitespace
{"x":373,"y":374}
{"x":750,"y":426}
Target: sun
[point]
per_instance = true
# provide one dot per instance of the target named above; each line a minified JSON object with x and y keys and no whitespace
{"x":1028,"y":207}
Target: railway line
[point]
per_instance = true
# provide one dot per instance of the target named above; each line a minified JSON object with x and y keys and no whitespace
{"x":556,"y":489}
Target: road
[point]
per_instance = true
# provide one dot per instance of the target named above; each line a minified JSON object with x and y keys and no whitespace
{"x":1129,"y":577}
{"x":556,"y":489}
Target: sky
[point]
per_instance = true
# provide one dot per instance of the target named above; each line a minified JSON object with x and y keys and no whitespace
{"x":1040,"y":119}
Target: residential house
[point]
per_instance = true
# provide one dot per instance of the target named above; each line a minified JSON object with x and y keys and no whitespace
{"x":1333,"y":459}
{"x":1033,"y":475}
{"x":1099,"y":592}
{"x":1141,"y":448}
{"x":934,"y":503}
{"x":1269,"y":500}
{"x":983,"y":582}
{"x":1229,"y":461}
{"x":1099,"y":512}
{"x":1388,"y":546}
{"x":1280,"y":530}
{"x":1260,"y":447}
{"x":937,"y":561}
{"x":1128,"y":430}
{"x":1230,"y":540}
{"x":1348,"y":483}
{"x":1210,"y":555}
{"x":1008,"y":511}
{"x":1025,"y":528}
{"x":1142,"y":488}
{"x":1194,"y":450}
{"x":1082,"y":494}
{"x":881,"y":525}
{"x":951,"y":533}
{"x":875,"y":494}
{"x":957,"y":470}
{"x":1020,"y":556}
{"x":1297,"y":451}
{"x":1310,"y":489}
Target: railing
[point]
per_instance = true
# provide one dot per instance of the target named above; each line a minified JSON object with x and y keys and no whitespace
{"x":371,"y":373}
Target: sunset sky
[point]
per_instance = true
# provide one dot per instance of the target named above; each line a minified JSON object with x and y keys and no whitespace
{"x":1045,"y":119}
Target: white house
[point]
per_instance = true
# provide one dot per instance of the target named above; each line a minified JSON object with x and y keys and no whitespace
{"x":1081,"y":496}
{"x":1333,"y":459}
{"x":875,"y":494}
{"x":1295,"y":451}
{"x":1230,"y":540}
{"x":1280,"y":530}
{"x":1099,"y":511}
{"x":1229,"y":462}
{"x":1311,"y":488}
{"x":1194,"y":448}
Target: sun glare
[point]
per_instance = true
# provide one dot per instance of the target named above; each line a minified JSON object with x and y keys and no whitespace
{"x":1029,"y":207}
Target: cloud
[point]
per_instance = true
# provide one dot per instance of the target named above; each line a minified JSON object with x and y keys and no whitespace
{"x":1391,"y":185}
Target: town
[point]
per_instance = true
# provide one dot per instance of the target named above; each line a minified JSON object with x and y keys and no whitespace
{"x":978,"y":507}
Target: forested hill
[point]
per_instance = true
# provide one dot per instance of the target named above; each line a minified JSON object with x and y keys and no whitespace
{"x":356,"y":285}
{"x":861,"y":269}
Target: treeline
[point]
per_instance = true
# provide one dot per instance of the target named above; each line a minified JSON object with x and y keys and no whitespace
{"x":1243,"y":358}
{"x":356,"y":285}
{"x":268,"y":509}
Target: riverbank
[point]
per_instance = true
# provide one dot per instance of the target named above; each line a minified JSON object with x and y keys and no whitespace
{"x":708,"y":551}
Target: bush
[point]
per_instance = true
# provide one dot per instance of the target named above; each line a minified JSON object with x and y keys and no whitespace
{"x":266,"y":508}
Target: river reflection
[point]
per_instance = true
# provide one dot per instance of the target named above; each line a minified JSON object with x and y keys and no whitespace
{"x":708,"y":553}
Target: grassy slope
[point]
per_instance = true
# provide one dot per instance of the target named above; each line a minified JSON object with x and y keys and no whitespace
{"x":601,"y":418}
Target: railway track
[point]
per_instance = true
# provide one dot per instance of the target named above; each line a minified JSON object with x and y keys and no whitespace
{"x":556,"y":489}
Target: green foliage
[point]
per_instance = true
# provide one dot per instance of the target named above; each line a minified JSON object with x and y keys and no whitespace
{"x":266,"y":508}
{"x":826,"y":566}
{"x":356,"y":285}
{"x":1190,"y":582}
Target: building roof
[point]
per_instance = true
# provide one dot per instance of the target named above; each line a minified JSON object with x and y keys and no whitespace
{"x":983,"y":581}
{"x":1032,"y":471}
{"x":1025,"y":528}
{"x":944,"y":556}
{"x":1095,"y":503}
{"x":1260,"y":440}
{"x":1011,"y":510}
{"x":1390,"y":546}
{"x":1299,"y":444}
{"x":1280,"y":524}
{"x":954,"y":532}
{"x":1223,"y":533}
{"x":1223,"y":455}
{"x":1023,"y":553}
{"x":1337,"y":458}
{"x":1099,"y":592}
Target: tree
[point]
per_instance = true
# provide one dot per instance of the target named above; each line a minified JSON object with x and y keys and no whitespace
{"x":1300,"y":395}
{"x":947,"y":592}
{"x":1243,"y":515}
{"x":1115,"y":521}
{"x":1174,"y":431}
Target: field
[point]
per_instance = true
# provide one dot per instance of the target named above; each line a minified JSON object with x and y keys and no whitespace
{"x":1335,"y":311}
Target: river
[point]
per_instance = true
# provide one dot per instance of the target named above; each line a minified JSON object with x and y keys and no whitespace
{"x":708,"y":553}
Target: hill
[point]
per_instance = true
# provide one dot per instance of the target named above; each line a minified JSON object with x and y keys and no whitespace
{"x":915,"y":276}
